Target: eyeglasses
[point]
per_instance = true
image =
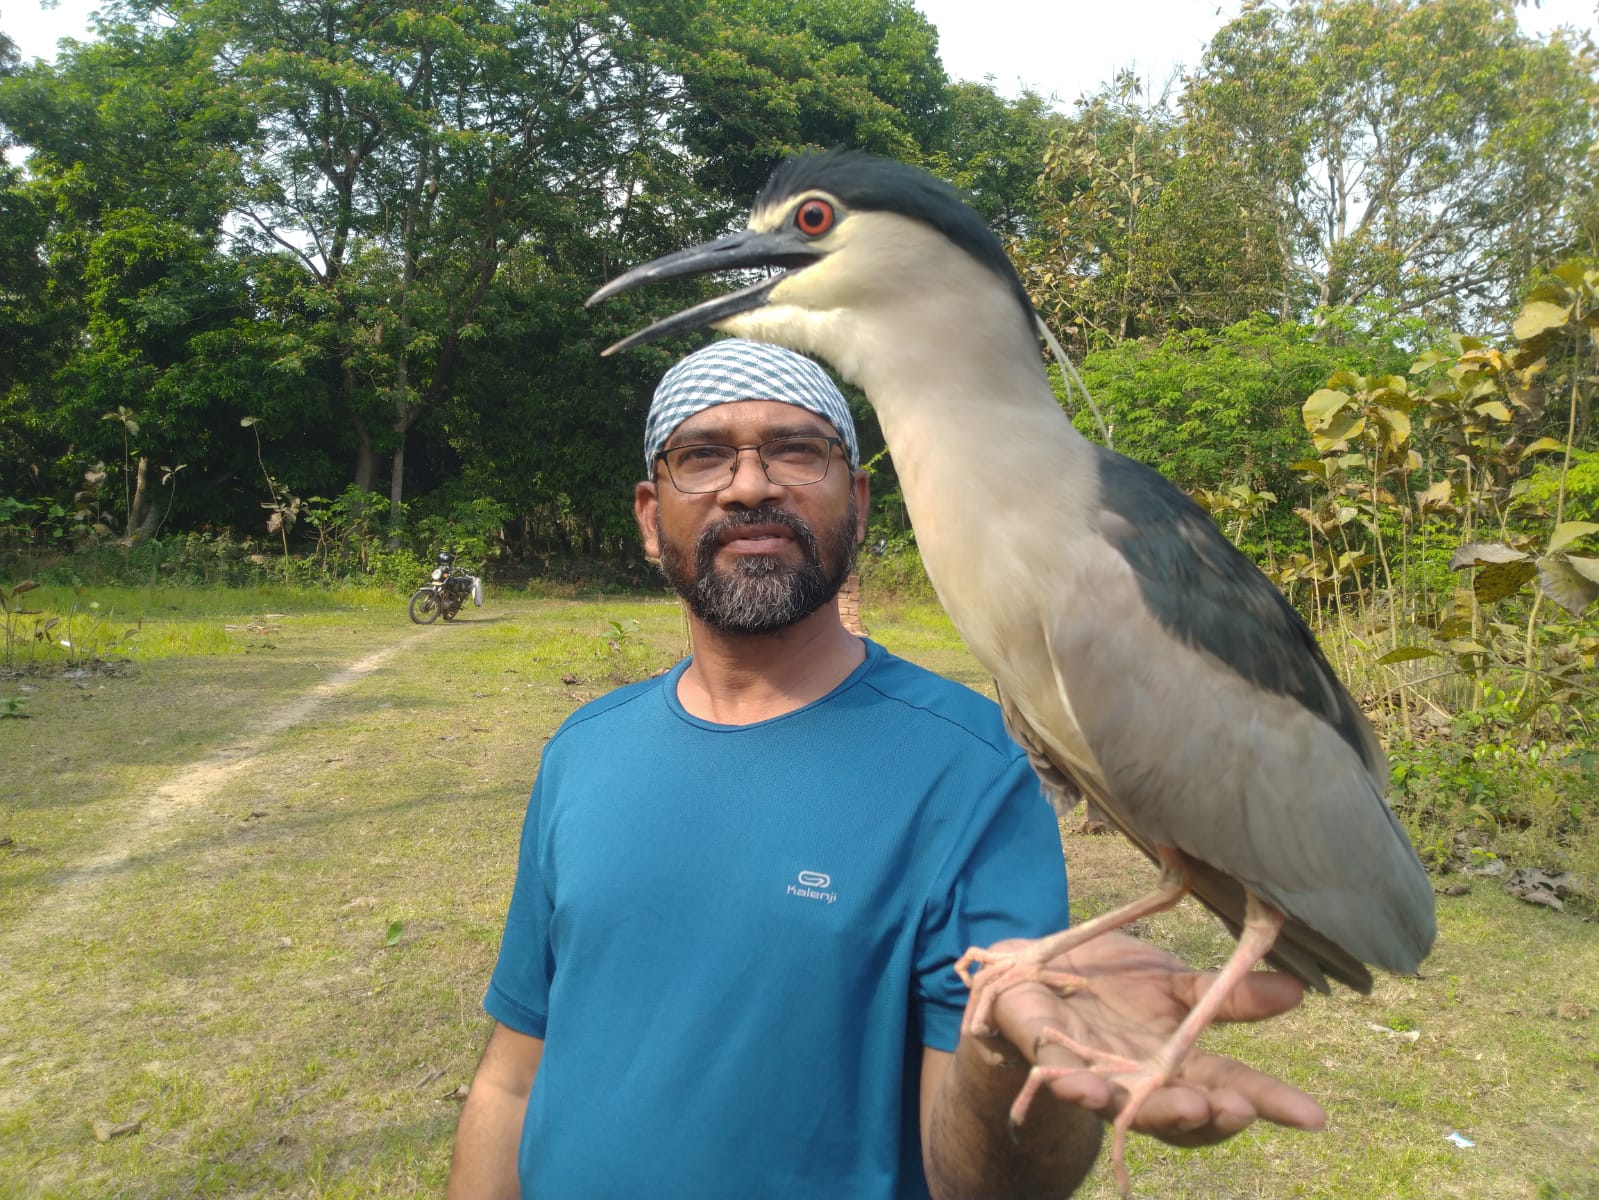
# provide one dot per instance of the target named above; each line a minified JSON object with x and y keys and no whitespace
{"x":787,"y":461}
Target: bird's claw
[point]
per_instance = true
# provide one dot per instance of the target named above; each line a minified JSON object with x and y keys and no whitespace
{"x":1102,"y":1062}
{"x":1143,"y":1080}
{"x":1000,"y":971}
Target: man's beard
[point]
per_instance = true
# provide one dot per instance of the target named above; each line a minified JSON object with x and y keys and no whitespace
{"x":759,"y":594}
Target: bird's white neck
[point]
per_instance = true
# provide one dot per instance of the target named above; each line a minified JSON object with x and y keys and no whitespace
{"x":978,"y":440}
{"x":942,"y":350}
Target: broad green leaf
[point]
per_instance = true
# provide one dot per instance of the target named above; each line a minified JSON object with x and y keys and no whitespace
{"x":1406,"y":653}
{"x":1542,"y":445}
{"x":1436,"y":496}
{"x":1493,"y":408}
{"x":1398,"y":422}
{"x":1569,"y":531}
{"x":1568,"y":584}
{"x":1321,"y":407}
{"x":391,"y":936}
{"x":1477,"y":554}
{"x":1553,"y":293}
{"x":1570,"y":273}
{"x":1538,"y":316}
{"x":1338,"y":430}
{"x":1495,"y":581}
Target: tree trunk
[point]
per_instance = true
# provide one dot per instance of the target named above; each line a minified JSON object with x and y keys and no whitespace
{"x":366,"y":461}
{"x":144,"y":515}
{"x":397,"y":481}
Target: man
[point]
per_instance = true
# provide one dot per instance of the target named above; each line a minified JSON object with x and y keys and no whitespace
{"x":726,"y":970}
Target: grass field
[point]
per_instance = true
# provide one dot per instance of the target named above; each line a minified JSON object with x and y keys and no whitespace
{"x":251,"y":888}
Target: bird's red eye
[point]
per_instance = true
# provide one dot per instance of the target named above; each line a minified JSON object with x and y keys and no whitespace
{"x":814,"y":218}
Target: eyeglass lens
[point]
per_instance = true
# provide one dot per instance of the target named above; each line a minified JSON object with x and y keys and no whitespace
{"x":788,"y":462}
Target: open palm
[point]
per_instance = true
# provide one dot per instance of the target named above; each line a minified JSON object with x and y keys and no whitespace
{"x":1133,"y":995}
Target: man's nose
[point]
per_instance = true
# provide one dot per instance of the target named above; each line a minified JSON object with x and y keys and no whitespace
{"x":749,"y":486}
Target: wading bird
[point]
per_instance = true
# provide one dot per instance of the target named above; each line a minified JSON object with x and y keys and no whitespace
{"x":1141,"y":660}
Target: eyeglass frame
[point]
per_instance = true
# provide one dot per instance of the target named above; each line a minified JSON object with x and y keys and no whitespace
{"x":738,"y":457}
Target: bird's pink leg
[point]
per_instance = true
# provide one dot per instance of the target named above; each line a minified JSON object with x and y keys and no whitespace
{"x":1262,"y":923}
{"x":1027,"y":965}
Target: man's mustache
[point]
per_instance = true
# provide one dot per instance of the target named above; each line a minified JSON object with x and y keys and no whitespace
{"x":711,"y":539}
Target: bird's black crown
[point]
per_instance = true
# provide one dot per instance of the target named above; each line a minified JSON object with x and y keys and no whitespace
{"x":867,"y":183}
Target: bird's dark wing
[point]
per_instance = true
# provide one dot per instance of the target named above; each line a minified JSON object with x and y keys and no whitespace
{"x":1217,"y":727}
{"x":1299,"y":950}
{"x":1207,"y":594}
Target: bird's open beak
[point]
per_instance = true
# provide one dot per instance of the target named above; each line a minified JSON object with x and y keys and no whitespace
{"x":778,"y":248}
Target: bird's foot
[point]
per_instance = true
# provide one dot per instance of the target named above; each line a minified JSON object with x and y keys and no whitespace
{"x":1142,"y":1080}
{"x":1000,"y":971}
{"x":1100,"y":1061}
{"x":1148,"y":1079}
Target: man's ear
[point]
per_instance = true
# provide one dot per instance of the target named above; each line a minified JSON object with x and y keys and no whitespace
{"x":645,"y":512}
{"x":862,"y":483}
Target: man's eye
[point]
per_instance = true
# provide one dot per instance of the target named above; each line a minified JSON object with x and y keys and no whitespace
{"x":799,"y":450}
{"x":700,"y":455}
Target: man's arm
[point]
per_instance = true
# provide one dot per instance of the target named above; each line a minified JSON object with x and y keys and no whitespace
{"x":968,"y":1150}
{"x":490,"y":1131}
{"x":1135,"y":995}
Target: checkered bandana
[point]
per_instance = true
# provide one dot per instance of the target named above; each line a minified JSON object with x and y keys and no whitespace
{"x":734,"y":369}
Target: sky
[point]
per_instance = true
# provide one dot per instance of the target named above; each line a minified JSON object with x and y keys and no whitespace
{"x":1068,"y":48}
{"x":1064,"y":48}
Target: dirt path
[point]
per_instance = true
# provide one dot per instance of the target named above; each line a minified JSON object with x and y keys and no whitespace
{"x":151,"y":815}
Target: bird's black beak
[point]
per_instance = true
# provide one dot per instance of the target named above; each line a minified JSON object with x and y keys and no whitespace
{"x":778,"y":248}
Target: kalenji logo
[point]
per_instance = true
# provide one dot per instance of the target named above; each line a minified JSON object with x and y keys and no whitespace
{"x":812,"y":885}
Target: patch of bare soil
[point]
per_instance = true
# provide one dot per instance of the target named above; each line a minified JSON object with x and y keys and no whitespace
{"x":150,"y":815}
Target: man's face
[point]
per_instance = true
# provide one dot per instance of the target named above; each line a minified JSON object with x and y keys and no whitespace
{"x":755,"y":556}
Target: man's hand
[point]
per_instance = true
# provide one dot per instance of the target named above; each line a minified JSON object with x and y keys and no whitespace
{"x":1135,"y":996}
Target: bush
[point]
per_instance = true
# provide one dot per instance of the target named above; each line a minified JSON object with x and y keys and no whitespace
{"x":891,"y":569}
{"x":1530,"y":803}
{"x":469,"y":529}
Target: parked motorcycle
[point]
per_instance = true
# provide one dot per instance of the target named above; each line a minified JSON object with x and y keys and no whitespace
{"x":445,"y":592}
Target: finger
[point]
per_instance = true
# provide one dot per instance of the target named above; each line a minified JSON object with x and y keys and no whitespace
{"x":1227,"y":1113}
{"x":1089,"y":1090}
{"x":1266,"y":1097}
{"x":1174,"y":1111}
{"x":1257,"y":996}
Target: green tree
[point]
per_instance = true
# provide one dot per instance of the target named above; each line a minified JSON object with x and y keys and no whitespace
{"x":1141,"y":232}
{"x":1216,"y":410}
{"x":405,"y":154}
{"x":994,"y":152}
{"x":763,"y":78}
{"x":1415,"y":150}
{"x":113,"y":242}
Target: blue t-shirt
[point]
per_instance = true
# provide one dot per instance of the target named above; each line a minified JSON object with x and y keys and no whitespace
{"x":736,"y":940}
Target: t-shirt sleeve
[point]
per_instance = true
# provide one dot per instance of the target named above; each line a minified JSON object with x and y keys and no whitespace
{"x":519,"y":989}
{"x":1005,"y":878}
